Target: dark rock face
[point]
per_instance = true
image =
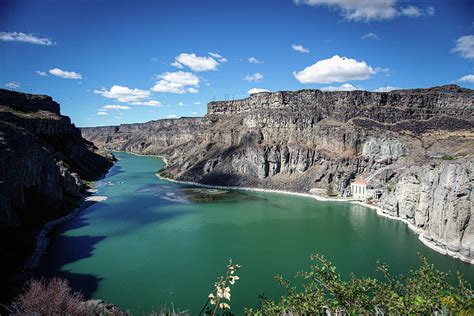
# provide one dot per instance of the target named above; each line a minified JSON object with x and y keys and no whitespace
{"x":320,"y":141}
{"x":44,"y":160}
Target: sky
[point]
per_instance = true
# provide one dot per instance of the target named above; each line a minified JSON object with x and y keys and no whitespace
{"x":113,"y":62}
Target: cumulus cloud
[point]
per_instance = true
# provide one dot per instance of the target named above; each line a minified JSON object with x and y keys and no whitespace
{"x":335,"y":69}
{"x":194,"y":113}
{"x":25,"y":38}
{"x":148,"y":103}
{"x":467,"y":78}
{"x":218,"y":57}
{"x":172,"y":116}
{"x":299,"y":48}
{"x":41,"y":73}
{"x":370,"y":36}
{"x":369,"y":10}
{"x":195,"y":63}
{"x":256,"y":77}
{"x":178,"y":82}
{"x":197,"y":103}
{"x":12,"y":85}
{"x":102,"y":113}
{"x":256,"y":90}
{"x":343,"y":87}
{"x":65,"y":74}
{"x":180,"y":103}
{"x":254,"y":60}
{"x":115,"y":107}
{"x":124,"y":94}
{"x":465,"y":46}
{"x":386,"y":89}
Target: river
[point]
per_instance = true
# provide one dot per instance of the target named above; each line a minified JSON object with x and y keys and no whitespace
{"x":153,"y":243}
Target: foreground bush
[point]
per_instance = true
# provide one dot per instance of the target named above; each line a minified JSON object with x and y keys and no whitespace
{"x":424,"y":291}
{"x":53,"y":297}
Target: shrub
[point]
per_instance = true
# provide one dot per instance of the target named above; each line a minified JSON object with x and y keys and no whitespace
{"x":54,"y":297}
{"x":424,"y":291}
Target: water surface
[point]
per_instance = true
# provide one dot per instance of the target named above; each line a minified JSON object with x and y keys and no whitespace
{"x":154,"y":243}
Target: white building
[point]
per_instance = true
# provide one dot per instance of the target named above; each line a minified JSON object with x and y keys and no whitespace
{"x":359,"y":190}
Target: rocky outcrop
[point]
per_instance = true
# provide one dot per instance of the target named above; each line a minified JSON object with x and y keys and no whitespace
{"x":44,"y":162}
{"x":317,"y":141}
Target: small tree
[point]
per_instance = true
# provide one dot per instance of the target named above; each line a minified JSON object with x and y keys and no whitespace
{"x":330,"y":190}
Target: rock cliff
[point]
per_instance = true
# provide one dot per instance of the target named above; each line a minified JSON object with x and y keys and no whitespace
{"x":414,"y":146}
{"x":44,"y":162}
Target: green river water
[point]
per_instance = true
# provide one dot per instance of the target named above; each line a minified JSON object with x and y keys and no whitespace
{"x":154,"y":243}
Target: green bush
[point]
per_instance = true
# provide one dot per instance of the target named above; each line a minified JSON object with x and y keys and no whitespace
{"x":424,"y":291}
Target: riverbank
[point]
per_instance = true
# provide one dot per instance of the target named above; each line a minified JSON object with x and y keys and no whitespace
{"x":381,"y":212}
{"x":87,"y":199}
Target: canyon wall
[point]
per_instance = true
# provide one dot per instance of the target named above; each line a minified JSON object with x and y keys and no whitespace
{"x":44,"y":163}
{"x":416,"y":147}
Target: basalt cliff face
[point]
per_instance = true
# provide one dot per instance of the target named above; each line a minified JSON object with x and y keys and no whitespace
{"x":413,"y":147}
{"x":44,"y":162}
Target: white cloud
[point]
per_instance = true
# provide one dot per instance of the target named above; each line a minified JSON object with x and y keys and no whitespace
{"x":386,"y":89}
{"x":385,"y":71}
{"x":12,"y":85}
{"x":254,"y":60}
{"x":256,"y":90}
{"x":465,"y":46}
{"x":415,"y":12}
{"x":299,"y":48}
{"x":124,"y":94}
{"x":467,"y":78}
{"x":195,"y":63}
{"x":41,"y":73}
{"x":172,"y":116}
{"x":25,"y":38}
{"x":177,"y":82}
{"x":65,"y":74}
{"x":102,"y":113}
{"x":369,"y":10}
{"x":148,"y":103}
{"x":180,"y":103}
{"x":218,"y":57}
{"x":197,"y":103}
{"x":335,"y":69}
{"x":256,"y":77}
{"x":370,"y":36}
{"x":177,"y":65}
{"x":343,"y":87}
{"x":115,"y":107}
{"x":194,"y":113}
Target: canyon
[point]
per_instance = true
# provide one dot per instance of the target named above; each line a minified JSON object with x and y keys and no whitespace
{"x":414,"y":148}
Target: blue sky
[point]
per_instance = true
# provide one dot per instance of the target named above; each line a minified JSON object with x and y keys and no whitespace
{"x":112,"y":62}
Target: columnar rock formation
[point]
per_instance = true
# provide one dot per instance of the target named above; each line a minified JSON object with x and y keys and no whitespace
{"x":415,"y":146}
{"x":44,"y":161}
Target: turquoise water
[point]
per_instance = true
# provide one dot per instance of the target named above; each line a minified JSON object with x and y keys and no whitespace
{"x":153,"y":243}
